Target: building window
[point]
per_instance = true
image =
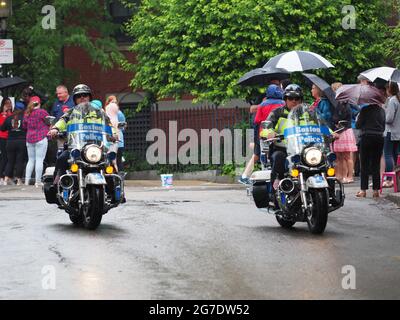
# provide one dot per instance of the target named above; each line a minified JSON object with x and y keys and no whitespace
{"x":120,"y":14}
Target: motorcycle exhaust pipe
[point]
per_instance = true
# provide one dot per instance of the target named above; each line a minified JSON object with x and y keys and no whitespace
{"x":286,"y":186}
{"x":66,"y":182}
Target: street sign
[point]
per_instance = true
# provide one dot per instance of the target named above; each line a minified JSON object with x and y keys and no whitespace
{"x":6,"y":51}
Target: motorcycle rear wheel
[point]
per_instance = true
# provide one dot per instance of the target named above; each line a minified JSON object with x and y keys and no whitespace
{"x":318,"y":218}
{"x":95,"y":210}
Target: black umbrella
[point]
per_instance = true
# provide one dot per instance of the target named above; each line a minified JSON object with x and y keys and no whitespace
{"x":323,"y":85}
{"x":263,"y":76}
{"x":6,"y":83}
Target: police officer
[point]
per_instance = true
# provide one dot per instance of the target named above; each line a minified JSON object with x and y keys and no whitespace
{"x":276,"y":124}
{"x":82,"y":95}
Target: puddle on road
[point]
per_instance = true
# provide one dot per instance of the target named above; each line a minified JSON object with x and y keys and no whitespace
{"x":158,"y":203}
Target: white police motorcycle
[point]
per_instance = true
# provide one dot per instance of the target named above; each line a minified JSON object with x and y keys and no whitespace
{"x":90,"y":187}
{"x":309,"y":190}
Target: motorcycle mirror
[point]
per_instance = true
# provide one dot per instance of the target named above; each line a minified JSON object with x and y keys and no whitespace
{"x":343,"y":123}
{"x":264,"y":124}
{"x":50,"y":120}
{"x":121,"y":125}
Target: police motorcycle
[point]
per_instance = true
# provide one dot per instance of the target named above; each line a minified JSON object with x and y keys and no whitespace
{"x":309,"y":190}
{"x":90,"y":187}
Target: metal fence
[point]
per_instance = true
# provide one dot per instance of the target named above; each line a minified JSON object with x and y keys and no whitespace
{"x":200,"y":118}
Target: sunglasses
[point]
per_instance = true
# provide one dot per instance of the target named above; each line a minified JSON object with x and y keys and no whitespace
{"x":82,"y":95}
{"x":294,"y":98}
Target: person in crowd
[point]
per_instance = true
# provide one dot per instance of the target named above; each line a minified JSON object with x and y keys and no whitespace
{"x":322,"y":105}
{"x":364,"y":80}
{"x":5,"y":111}
{"x":36,"y":139}
{"x":371,"y":122}
{"x":244,"y":179}
{"x":63,"y":99}
{"x":121,"y":143}
{"x":29,"y":92}
{"x":345,"y":145}
{"x":392,"y":129}
{"x":16,"y":144}
{"x":112,"y":110}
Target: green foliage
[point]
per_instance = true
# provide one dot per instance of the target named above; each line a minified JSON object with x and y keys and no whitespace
{"x":203,"y":47}
{"x":392,"y":49}
{"x":38,"y":56}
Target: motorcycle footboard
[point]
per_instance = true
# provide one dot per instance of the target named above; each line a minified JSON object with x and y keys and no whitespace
{"x":339,"y":198}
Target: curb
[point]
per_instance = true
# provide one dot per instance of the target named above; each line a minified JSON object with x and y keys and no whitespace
{"x":393,"y":198}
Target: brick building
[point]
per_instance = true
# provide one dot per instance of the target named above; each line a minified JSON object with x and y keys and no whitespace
{"x":116,"y":82}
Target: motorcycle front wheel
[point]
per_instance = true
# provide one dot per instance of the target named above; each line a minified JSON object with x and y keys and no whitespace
{"x":317,"y":218}
{"x":93,"y":212}
{"x":285,"y":223}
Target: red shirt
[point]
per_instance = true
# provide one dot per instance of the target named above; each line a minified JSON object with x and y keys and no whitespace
{"x":3,"y":117}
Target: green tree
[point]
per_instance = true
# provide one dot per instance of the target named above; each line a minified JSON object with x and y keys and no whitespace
{"x":39,"y":51}
{"x":203,"y":47}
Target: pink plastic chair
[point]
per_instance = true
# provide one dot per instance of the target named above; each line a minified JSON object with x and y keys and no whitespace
{"x":393,"y":175}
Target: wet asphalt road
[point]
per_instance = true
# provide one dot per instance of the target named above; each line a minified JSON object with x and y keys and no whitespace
{"x":195,"y":244}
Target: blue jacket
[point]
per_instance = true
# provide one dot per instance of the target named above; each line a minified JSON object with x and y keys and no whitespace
{"x":56,"y":110}
{"x":324,"y":110}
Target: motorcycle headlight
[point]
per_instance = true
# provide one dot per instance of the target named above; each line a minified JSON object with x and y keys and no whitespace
{"x":313,"y":156}
{"x":93,"y":153}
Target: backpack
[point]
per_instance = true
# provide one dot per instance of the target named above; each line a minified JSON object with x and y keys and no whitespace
{"x":342,"y":111}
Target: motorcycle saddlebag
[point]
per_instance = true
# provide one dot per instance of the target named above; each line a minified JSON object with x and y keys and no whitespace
{"x":50,"y":192}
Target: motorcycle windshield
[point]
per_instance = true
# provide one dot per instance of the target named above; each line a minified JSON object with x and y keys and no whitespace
{"x":305,"y":129}
{"x":88,"y":125}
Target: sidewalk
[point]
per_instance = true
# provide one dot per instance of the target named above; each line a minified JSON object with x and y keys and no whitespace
{"x":32,"y":193}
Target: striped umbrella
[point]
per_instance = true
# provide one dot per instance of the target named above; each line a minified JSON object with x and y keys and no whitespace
{"x":385,"y":73}
{"x":298,"y":61}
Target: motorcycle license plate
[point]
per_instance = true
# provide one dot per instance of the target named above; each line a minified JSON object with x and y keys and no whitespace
{"x":95,"y":178}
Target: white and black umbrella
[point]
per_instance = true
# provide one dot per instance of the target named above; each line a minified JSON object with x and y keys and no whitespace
{"x":298,"y":61}
{"x":261,"y":76}
{"x":385,"y":73}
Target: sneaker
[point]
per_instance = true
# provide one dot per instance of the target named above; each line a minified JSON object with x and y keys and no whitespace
{"x":38,"y":184}
{"x":19,"y":182}
{"x":244,"y":181}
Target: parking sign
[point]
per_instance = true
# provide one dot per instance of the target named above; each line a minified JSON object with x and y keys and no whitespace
{"x":6,"y":51}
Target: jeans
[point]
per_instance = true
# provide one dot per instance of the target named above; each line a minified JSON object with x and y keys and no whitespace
{"x":371,"y":148}
{"x":390,"y":150}
{"x":36,"y":154}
